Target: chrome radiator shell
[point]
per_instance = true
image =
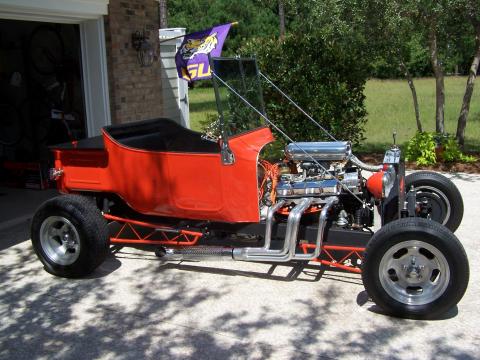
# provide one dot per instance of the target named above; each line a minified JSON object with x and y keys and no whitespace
{"x":320,"y":151}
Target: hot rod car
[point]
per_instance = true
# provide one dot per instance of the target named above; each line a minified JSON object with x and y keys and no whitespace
{"x":189,"y":195}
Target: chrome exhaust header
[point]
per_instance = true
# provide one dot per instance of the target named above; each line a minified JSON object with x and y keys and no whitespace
{"x":322,"y":221}
{"x":265,"y":253}
{"x":285,"y":254}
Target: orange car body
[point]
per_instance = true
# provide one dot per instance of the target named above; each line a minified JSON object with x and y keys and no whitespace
{"x":173,"y":184}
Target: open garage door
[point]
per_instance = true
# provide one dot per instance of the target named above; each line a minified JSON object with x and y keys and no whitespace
{"x":72,"y":30}
{"x":88,"y":14}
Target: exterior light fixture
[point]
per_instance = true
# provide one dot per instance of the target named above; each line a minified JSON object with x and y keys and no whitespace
{"x":145,"y":52}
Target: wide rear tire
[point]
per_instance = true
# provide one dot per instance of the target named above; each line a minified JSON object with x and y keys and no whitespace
{"x":70,"y":236}
{"x":415,"y":268}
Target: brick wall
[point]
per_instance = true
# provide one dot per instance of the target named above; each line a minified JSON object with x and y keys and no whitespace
{"x":135,"y":91}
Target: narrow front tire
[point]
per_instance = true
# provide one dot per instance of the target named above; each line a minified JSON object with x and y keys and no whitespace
{"x":440,"y":195}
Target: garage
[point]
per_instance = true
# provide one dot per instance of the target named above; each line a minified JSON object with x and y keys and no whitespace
{"x":53,"y":88}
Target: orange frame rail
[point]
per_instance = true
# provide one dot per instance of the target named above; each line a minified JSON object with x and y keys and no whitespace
{"x":180,"y":237}
{"x":171,"y":236}
{"x":350,"y":251}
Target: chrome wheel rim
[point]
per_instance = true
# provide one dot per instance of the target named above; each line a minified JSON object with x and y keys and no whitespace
{"x":414,"y":272}
{"x":437,"y":199}
{"x":60,"y":240}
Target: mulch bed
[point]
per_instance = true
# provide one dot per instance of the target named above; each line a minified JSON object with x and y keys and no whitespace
{"x":470,"y":168}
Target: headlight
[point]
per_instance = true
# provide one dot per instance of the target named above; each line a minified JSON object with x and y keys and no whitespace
{"x":388,"y":180}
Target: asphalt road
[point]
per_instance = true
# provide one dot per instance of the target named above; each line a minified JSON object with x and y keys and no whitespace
{"x":136,"y":307}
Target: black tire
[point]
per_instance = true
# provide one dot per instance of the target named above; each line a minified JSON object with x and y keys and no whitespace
{"x":444,"y":199}
{"x":70,"y":236}
{"x":428,"y":293}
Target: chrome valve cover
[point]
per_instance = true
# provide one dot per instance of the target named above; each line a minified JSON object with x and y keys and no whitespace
{"x":286,"y":189}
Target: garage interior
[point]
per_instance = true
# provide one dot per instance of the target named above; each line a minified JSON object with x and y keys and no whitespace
{"x":41,"y":104}
{"x":41,"y":98}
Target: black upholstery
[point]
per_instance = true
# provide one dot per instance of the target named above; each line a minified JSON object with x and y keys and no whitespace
{"x":161,"y":135}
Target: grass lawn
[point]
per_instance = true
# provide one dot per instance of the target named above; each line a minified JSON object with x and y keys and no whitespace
{"x":202,"y":104}
{"x":389,"y":105}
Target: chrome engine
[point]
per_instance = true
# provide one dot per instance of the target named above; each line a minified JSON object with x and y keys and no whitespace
{"x":311,"y":179}
{"x":319,"y":172}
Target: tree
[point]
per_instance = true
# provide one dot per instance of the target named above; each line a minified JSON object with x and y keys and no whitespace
{"x":472,"y":12}
{"x":281,"y":17}
{"x":392,"y":32}
{"x":429,"y":15}
{"x":416,"y":108}
{"x":162,"y":14}
{"x":257,"y":18}
{"x":439,"y":26}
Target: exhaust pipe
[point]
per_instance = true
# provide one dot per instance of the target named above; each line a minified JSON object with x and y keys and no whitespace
{"x":285,"y":254}
{"x":320,"y":233}
{"x":196,"y":253}
{"x":261,"y":254}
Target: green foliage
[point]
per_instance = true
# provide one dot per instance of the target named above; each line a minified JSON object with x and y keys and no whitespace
{"x":401,"y":29}
{"x":325,"y":78}
{"x":421,"y":149}
{"x":414,"y":54}
{"x":255,"y":17}
{"x":452,"y":153}
{"x":388,"y":30}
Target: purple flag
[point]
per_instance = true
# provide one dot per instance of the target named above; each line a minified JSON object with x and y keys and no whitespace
{"x":192,"y":55}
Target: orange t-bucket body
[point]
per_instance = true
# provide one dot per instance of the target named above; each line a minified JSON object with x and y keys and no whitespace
{"x":181,"y":184}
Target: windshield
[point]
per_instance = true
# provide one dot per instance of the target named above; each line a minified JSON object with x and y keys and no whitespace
{"x":241,"y":74}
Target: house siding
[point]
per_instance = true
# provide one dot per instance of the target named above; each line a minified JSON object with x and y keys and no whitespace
{"x":135,"y":91}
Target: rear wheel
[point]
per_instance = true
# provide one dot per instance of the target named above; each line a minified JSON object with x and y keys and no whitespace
{"x":70,"y":236}
{"x":439,"y":196}
{"x":415,"y":268}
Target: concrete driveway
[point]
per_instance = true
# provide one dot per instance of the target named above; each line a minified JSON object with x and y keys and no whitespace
{"x":137,"y":307}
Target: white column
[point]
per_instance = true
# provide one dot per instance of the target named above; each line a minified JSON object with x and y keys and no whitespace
{"x":95,"y":76}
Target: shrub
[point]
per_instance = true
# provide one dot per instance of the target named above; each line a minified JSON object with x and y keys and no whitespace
{"x":452,"y":152}
{"x":421,"y":149}
{"x":325,"y":78}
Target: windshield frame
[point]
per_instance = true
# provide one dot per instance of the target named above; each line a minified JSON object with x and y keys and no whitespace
{"x":218,"y":86}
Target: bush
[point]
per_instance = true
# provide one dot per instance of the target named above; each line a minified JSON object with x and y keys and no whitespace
{"x":326,"y":78}
{"x":422,"y":149}
{"x":452,"y":153}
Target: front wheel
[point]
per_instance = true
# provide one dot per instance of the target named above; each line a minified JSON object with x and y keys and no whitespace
{"x":439,"y":196}
{"x":415,"y":268}
{"x":70,"y":236}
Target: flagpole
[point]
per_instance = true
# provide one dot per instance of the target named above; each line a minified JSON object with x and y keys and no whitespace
{"x":235,"y":23}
